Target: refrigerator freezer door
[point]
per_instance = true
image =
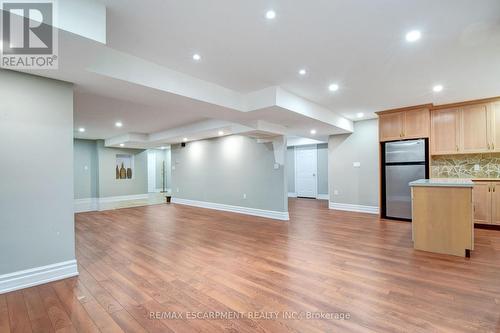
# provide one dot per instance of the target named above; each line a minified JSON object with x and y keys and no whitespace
{"x":405,"y":151}
{"x":398,"y":192}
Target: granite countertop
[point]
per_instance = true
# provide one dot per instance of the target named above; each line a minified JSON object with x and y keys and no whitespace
{"x":443,"y":182}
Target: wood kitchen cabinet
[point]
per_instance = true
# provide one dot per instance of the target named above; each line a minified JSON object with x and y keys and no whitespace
{"x":482,"y":203}
{"x":466,"y":129}
{"x":402,"y":125}
{"x":495,"y":126}
{"x":475,"y":129}
{"x":445,"y":128}
{"x":487,"y":203}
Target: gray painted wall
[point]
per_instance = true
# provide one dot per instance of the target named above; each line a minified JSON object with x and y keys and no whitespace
{"x":357,"y":186}
{"x":221,"y":170}
{"x":85,"y":169}
{"x":99,"y":179}
{"x":163,"y":156}
{"x":322,"y":168}
{"x":109,"y":186}
{"x":36,"y":196}
{"x":290,"y":169}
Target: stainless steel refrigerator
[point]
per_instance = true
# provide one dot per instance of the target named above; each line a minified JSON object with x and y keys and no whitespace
{"x":404,"y":162}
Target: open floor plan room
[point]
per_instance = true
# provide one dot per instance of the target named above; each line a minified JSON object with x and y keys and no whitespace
{"x":249,"y":166}
{"x":181,"y":260}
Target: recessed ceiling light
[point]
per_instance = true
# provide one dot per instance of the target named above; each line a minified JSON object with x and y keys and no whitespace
{"x":118,"y":124}
{"x":437,"y":88}
{"x":313,"y":131}
{"x":303,"y":72}
{"x":196,"y":57}
{"x":81,"y":129}
{"x":270,"y":14}
{"x":333,"y":87}
{"x":360,"y":115}
{"x":413,"y":36}
{"x":122,"y":144}
{"x":221,"y":133}
{"x":163,"y":147}
{"x":185,"y":139}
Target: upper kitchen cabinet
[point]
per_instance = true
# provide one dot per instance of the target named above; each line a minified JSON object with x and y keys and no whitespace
{"x":417,"y":124}
{"x":494,"y":126}
{"x":401,"y":125}
{"x":391,"y":126}
{"x":445,"y":127}
{"x":475,"y":129}
{"x":466,"y":128}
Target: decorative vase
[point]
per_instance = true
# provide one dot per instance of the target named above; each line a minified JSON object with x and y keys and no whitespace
{"x":123,"y":172}
{"x":117,"y":172}
{"x":129,"y":173}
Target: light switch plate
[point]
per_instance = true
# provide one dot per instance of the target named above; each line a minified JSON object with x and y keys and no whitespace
{"x":336,"y":192}
{"x":276,"y":166}
{"x":356,"y":164}
{"x":173,"y":167}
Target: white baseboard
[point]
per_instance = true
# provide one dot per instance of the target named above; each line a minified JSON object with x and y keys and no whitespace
{"x":99,"y":204}
{"x":323,"y":197}
{"x":36,"y":276}
{"x":284,"y":216}
{"x":123,"y":198}
{"x":353,"y":208}
{"x":292,"y":194}
{"x":86,"y":205}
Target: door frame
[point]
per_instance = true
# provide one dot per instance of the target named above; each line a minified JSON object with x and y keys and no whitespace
{"x":312,"y":147}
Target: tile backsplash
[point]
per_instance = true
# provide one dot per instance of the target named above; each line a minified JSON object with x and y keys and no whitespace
{"x":466,"y":166}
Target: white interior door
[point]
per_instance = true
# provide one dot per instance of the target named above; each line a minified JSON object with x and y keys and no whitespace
{"x":306,"y":170}
{"x":151,"y":172}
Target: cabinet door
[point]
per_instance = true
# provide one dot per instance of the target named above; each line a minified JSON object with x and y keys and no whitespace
{"x":495,"y":204}
{"x":417,"y":124}
{"x":482,"y":203}
{"x":474,"y":129}
{"x":495,"y":126}
{"x":391,"y":126}
{"x":445,"y":131}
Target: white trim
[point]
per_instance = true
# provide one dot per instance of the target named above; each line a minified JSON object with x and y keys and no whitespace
{"x":292,"y":194}
{"x":85,"y":205}
{"x":353,"y":208}
{"x":323,"y":197}
{"x":38,"y":275}
{"x":98,"y":204}
{"x":123,"y":198}
{"x":271,"y":214}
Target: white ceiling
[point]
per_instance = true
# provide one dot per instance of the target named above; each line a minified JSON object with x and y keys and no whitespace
{"x":358,"y":43}
{"x":145,"y":76}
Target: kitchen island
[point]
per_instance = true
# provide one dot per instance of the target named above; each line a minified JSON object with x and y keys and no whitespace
{"x":443,"y":216}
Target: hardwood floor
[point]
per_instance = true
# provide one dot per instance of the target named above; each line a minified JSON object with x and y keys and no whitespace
{"x":179,"y":260}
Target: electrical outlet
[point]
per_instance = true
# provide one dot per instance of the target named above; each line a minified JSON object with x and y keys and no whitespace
{"x":244,"y":195}
{"x":356,"y":164}
{"x":276,"y":166}
{"x":477,"y":167}
{"x":336,"y":192}
{"x":177,"y":190}
{"x":173,"y":167}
